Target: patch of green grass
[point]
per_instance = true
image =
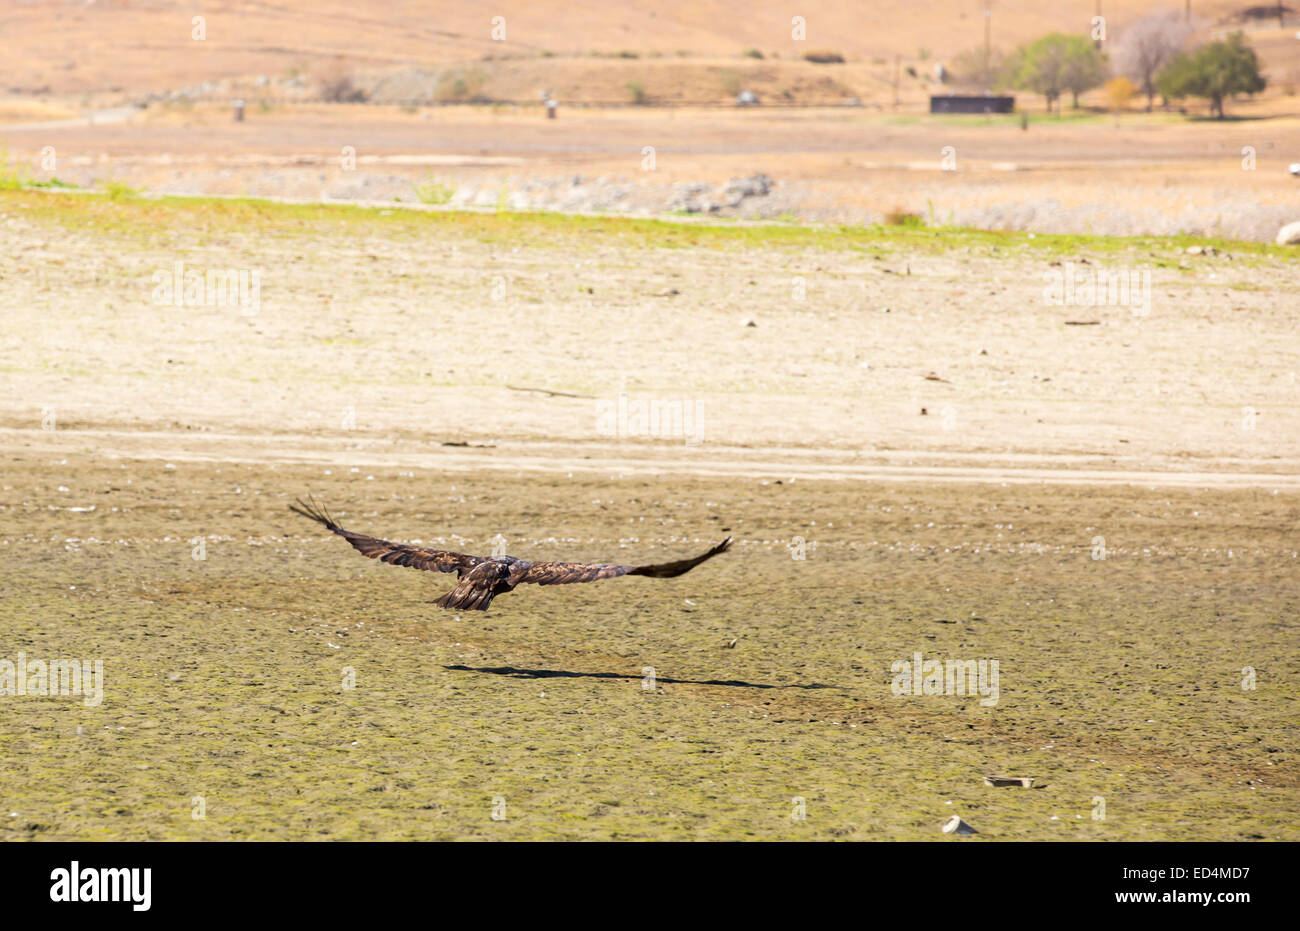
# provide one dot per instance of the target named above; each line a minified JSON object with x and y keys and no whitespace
{"x":120,"y":190}
{"x":15,"y":177}
{"x":12,"y":177}
{"x":1015,"y":120}
{"x":146,"y":216}
{"x":900,"y":217}
{"x":433,"y":191}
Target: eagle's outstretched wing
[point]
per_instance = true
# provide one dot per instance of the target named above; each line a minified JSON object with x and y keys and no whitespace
{"x":399,"y":554}
{"x":565,"y":573}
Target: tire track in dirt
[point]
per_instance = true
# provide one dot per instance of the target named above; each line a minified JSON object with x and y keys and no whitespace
{"x":523,"y":456}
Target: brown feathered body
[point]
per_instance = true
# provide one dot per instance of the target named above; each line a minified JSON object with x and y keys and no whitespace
{"x":482,"y":578}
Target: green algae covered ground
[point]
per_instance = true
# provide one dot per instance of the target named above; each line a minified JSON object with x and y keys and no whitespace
{"x":1120,"y":679}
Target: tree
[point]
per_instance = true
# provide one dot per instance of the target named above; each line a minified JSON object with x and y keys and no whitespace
{"x":336,"y":84}
{"x":1119,"y":91}
{"x":1037,"y":67}
{"x":1214,"y":71}
{"x":1147,"y":46}
{"x":1057,"y":63}
{"x":978,"y":67}
{"x":1084,"y":67}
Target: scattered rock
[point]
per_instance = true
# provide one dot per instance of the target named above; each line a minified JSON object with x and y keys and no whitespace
{"x":738,"y":189}
{"x":1003,"y":782}
{"x":1289,"y":235}
{"x":697,"y":198}
{"x":955,"y":825}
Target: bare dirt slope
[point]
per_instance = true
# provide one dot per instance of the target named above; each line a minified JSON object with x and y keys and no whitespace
{"x":397,"y":327}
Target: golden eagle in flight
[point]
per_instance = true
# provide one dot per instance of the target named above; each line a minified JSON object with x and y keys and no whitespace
{"x":482,"y":578}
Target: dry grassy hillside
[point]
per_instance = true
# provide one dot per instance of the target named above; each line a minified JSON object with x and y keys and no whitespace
{"x":74,"y":46}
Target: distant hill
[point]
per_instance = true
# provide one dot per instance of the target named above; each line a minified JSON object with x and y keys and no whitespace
{"x":134,"y":46}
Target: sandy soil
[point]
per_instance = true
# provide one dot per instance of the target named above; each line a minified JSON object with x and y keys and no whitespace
{"x":412,"y":329}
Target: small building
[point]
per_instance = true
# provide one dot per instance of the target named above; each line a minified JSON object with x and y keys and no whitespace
{"x":972,"y":103}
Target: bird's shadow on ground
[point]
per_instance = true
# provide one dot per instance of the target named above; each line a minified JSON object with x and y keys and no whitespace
{"x":517,"y":673}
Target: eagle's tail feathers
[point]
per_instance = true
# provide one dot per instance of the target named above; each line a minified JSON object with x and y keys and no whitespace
{"x":466,"y":598}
